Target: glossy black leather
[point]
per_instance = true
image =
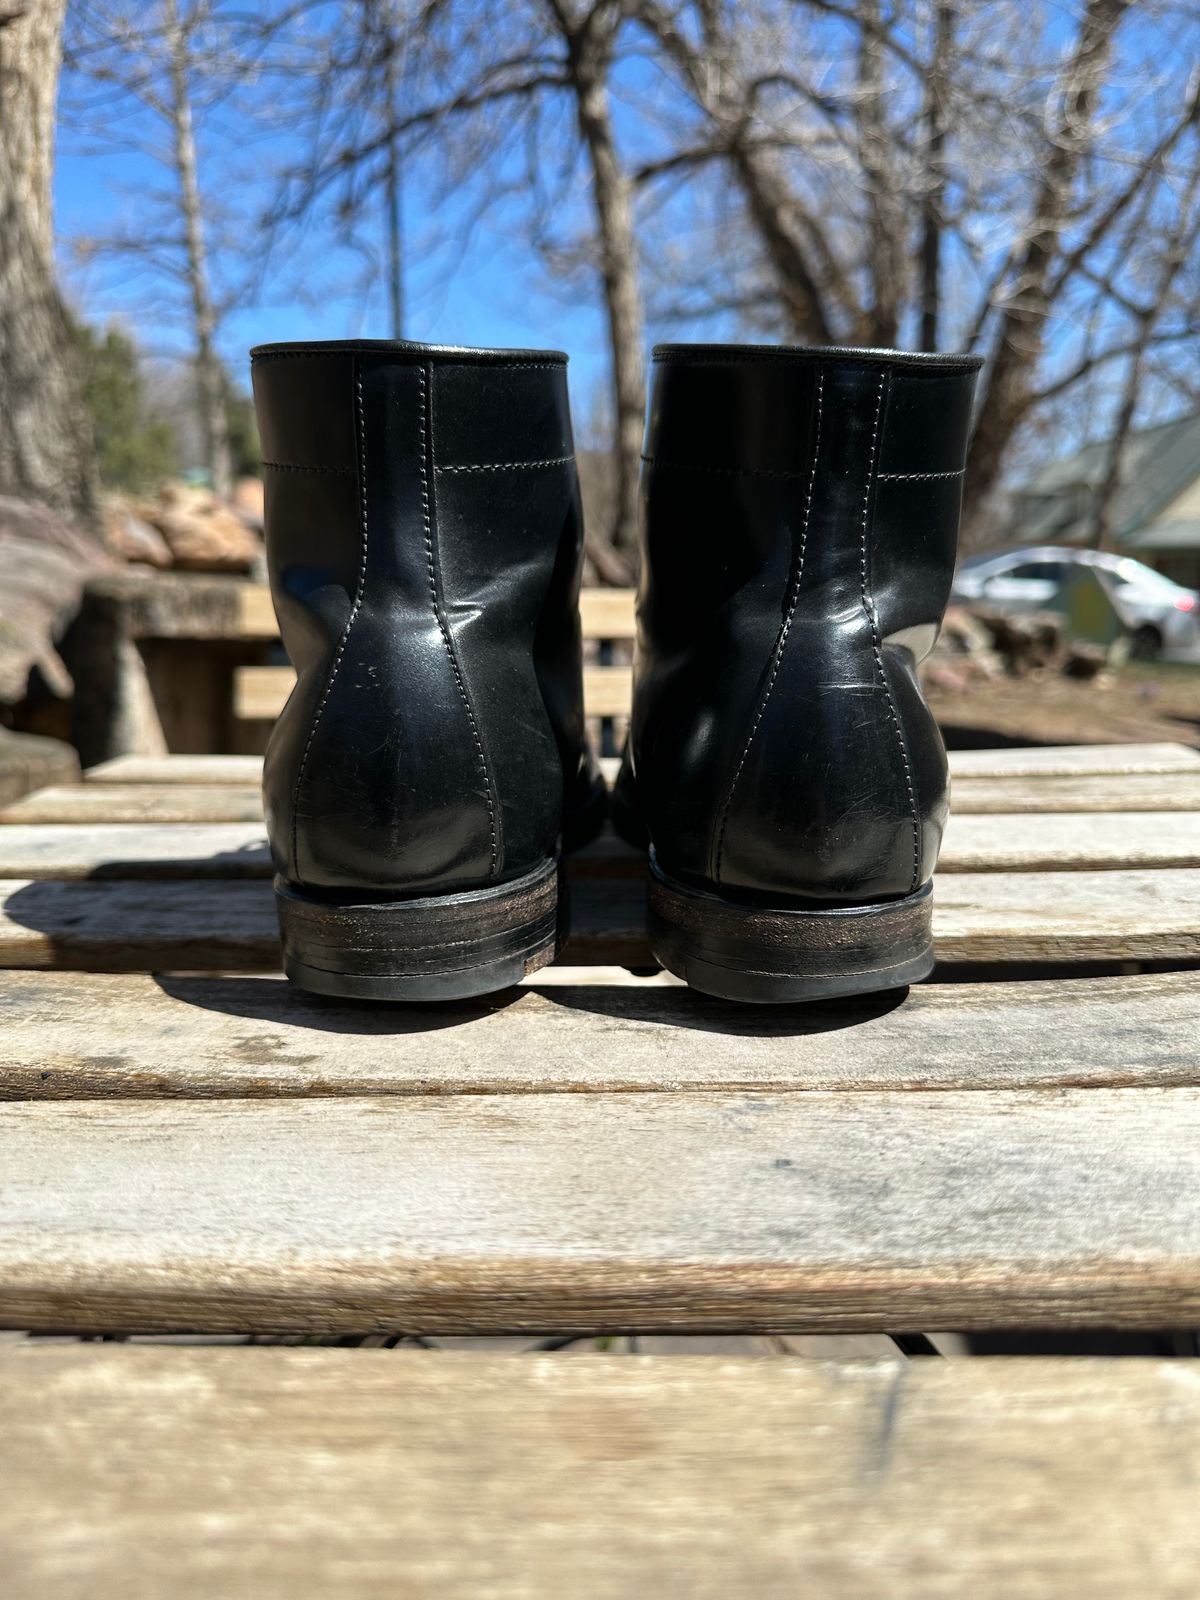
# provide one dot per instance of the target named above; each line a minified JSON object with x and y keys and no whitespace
{"x":425,"y":543}
{"x":800,"y":515}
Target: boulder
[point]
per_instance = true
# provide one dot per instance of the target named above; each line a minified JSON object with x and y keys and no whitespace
{"x":202,"y":533}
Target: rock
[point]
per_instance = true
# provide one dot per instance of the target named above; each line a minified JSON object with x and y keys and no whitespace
{"x":131,"y":538}
{"x":202,"y":533}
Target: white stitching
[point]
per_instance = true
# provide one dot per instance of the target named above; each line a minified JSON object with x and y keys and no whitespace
{"x":869,"y":609}
{"x":506,"y":466}
{"x":785,"y":628}
{"x":431,"y":564}
{"x":915,"y":477}
{"x":359,"y":590}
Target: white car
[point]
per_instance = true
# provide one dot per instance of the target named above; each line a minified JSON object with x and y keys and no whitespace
{"x":1159,"y":613}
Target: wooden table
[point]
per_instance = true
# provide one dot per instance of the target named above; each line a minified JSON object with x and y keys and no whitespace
{"x":188,"y":1146}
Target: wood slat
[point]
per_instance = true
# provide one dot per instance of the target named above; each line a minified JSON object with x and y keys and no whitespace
{"x":259,"y":693}
{"x":1141,"y":791}
{"x":1073,"y":760}
{"x":119,"y":926}
{"x":245,"y":771}
{"x":510,"y":1214}
{"x":204,"y":801}
{"x":1106,"y":841}
{"x":340,"y":1474}
{"x":606,"y":691}
{"x":608,"y":613}
{"x":604,"y":613}
{"x":150,"y":803}
{"x":74,"y":1035}
{"x":1062,"y":761}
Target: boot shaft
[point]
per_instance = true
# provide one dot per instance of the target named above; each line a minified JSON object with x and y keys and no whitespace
{"x":424,"y":543}
{"x":800,"y":522}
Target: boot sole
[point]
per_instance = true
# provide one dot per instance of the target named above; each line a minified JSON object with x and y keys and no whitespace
{"x":776,"y":955}
{"x":441,"y":947}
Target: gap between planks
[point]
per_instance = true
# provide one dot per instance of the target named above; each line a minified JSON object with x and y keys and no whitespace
{"x":686,"y":1212}
{"x":72,"y":1036}
{"x":332,"y":1473}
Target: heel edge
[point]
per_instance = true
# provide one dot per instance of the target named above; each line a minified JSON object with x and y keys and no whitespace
{"x":782,"y":954}
{"x":431,"y":948}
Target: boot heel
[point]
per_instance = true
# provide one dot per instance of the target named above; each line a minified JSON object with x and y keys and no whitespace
{"x":440,"y":947}
{"x":781,"y":953}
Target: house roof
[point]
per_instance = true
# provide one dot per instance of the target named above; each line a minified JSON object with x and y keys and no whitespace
{"x":1158,"y":465}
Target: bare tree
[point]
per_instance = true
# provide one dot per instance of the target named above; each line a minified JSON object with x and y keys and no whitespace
{"x":143,"y":75}
{"x":45,"y":440}
{"x":874,"y":145}
{"x":480,"y":84}
{"x":1148,"y":315}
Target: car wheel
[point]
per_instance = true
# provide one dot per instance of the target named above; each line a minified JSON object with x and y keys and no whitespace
{"x":1146,"y":643}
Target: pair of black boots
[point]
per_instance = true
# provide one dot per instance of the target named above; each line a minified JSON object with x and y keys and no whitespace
{"x":425,"y":547}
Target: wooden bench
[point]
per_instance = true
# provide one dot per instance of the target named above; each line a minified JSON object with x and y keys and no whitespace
{"x":190,"y":1147}
{"x":187,"y":664}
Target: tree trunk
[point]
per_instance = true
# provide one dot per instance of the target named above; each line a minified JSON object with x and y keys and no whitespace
{"x":46,"y":450}
{"x":612,"y":197}
{"x":1020,"y":330}
{"x":210,"y":381}
{"x":935,"y":176}
{"x":885,"y":222}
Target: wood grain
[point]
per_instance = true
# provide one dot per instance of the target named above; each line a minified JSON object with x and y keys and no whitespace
{"x":208,"y":925}
{"x":1073,"y":760}
{"x":516,"y":1213}
{"x":1060,"y":761}
{"x":239,"y":849}
{"x":73,"y":1035}
{"x":604,"y":613}
{"x":206,"y":801}
{"x":259,"y":693}
{"x":362,"y":1475}
{"x":90,"y":803}
{"x":1139,"y":791}
{"x":243,"y":770}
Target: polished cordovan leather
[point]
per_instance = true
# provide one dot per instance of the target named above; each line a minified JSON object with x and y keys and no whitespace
{"x":425,"y":542}
{"x":800,"y":519}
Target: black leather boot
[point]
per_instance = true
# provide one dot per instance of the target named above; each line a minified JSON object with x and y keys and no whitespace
{"x":425,"y":544}
{"x":800,"y":517}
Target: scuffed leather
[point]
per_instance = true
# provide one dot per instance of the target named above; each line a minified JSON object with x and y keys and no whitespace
{"x":800,"y":513}
{"x":425,"y":545}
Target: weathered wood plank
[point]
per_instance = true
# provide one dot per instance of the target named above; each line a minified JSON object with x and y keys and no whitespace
{"x":93,"y":803}
{"x":603,"y":613}
{"x":202,"y":801}
{"x":206,"y":925}
{"x":333,"y":1473}
{"x":243,"y":770}
{"x":608,"y":613}
{"x":498,"y":1213}
{"x":75,"y":1035}
{"x":1060,"y":761}
{"x":60,"y":850}
{"x":259,"y":693}
{"x":1139,"y":791}
{"x":239,"y":850}
{"x":1097,"y":841}
{"x":1073,"y":760}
